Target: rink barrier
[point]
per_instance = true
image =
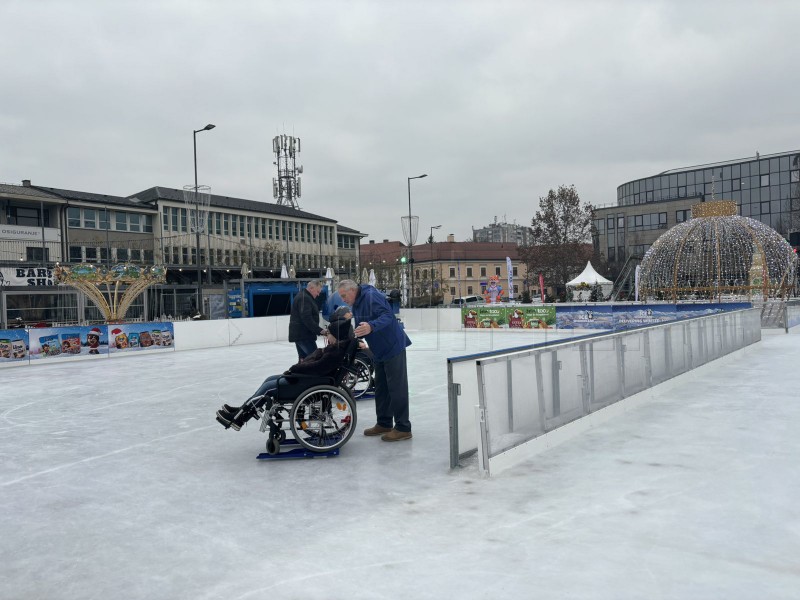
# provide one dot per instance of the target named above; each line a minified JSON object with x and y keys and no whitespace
{"x":509,"y":405}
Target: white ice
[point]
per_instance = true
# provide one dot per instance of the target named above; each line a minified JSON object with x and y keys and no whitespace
{"x":117,"y":483}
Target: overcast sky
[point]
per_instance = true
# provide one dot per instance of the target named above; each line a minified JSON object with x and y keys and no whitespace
{"x":497,"y":101}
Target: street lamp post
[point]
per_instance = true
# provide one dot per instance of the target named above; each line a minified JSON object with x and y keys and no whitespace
{"x":197,"y":218}
{"x":411,"y":239}
{"x":430,"y":240}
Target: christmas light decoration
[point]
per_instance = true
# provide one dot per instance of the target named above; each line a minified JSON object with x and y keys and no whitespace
{"x":122,"y":284}
{"x":716,"y":253}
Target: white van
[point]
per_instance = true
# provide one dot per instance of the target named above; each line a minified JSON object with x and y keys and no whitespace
{"x":468,"y":301}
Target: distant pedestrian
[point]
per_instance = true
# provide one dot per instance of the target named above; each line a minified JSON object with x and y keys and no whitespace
{"x":387,"y":340}
{"x":304,"y":319}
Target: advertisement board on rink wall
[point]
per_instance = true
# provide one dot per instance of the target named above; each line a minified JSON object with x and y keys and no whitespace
{"x":13,"y":346}
{"x":586,"y":316}
{"x":20,"y":346}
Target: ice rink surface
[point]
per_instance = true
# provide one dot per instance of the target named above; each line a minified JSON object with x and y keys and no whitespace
{"x":117,"y":483}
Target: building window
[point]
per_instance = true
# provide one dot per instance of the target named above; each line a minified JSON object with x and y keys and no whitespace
{"x":514,"y":271}
{"x":620,"y":222}
{"x":91,"y":254}
{"x":452,"y":271}
{"x":148,"y":223}
{"x":483,"y":271}
{"x":183,"y":220}
{"x":104,"y":255}
{"x":469,"y":289}
{"x":104,"y":219}
{"x":175,"y":219}
{"x":121,"y":221}
{"x":452,"y":291}
{"x":75,"y":254}
{"x":764,"y":180}
{"x":469,"y":271}
{"x":134,"y":223}
{"x":165,"y":220}
{"x":37,"y":254}
{"x":610,"y":223}
{"x":612,"y":257}
{"x":89,"y":218}
{"x":122,"y":254}
{"x":73,"y":217}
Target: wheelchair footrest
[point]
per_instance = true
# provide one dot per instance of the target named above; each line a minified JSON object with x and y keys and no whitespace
{"x":296,"y":451}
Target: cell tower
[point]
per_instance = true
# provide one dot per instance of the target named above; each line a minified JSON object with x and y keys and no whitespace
{"x":286,"y":186}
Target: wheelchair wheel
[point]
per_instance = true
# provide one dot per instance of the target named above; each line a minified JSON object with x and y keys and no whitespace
{"x":273,"y":446}
{"x":323,"y":418}
{"x":360,"y":382}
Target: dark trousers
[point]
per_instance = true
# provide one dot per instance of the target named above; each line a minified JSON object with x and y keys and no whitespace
{"x":305,"y":347}
{"x":391,"y":393}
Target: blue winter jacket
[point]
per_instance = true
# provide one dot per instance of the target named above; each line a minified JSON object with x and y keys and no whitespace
{"x":388,"y":339}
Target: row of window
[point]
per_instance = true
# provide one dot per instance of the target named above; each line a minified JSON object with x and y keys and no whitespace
{"x":483,"y":271}
{"x":93,"y":254}
{"x":183,"y":255}
{"x":346,"y":242}
{"x":90,"y":218}
{"x":771,"y":166}
{"x":30,"y":217}
{"x":240,"y":226}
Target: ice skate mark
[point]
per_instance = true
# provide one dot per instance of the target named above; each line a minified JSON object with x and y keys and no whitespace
{"x":319,"y":574}
{"x":100,"y":456}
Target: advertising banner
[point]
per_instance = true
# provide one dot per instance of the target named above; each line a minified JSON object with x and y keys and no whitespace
{"x":13,"y":346}
{"x":510,"y":271}
{"x":63,"y":342}
{"x":24,"y":276}
{"x":585,"y":317}
{"x":137,"y":337}
{"x":514,"y":317}
{"x":627,"y":317}
{"x":234,"y":303}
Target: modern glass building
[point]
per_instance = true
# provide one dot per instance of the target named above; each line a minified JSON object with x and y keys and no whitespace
{"x":764,"y":187}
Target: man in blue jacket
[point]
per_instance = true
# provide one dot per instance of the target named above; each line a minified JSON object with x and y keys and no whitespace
{"x":376,"y":323}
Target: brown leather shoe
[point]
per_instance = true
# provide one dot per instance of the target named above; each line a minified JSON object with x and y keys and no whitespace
{"x":396,"y":436}
{"x":377,"y":430}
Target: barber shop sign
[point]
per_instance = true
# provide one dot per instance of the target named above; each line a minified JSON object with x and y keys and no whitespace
{"x":25,"y":276}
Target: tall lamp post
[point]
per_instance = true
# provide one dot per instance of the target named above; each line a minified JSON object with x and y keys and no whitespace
{"x":197,"y":207}
{"x":411,"y":239}
{"x":430,"y":241}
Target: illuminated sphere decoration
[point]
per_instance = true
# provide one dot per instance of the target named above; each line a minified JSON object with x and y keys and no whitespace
{"x":718,"y":253}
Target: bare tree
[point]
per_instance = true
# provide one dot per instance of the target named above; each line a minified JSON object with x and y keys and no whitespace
{"x":562,"y":230}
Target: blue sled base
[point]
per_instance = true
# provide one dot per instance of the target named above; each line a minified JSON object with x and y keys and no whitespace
{"x":296,"y":451}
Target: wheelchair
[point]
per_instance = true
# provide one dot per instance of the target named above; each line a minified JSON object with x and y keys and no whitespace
{"x":360,"y":379}
{"x":319,"y":411}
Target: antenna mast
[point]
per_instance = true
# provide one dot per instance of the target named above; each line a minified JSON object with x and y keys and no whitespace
{"x":286,"y":186}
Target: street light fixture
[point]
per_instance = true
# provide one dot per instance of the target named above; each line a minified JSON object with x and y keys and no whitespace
{"x":411,"y":238}
{"x":197,"y":207}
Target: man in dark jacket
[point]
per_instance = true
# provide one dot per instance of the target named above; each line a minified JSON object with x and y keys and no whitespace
{"x":388,"y":341}
{"x":304,"y":319}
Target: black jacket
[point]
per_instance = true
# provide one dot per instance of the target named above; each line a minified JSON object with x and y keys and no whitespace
{"x":323,"y":361}
{"x":304,"y":318}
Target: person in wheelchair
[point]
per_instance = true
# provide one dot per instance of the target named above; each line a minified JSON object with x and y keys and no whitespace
{"x":322,"y":362}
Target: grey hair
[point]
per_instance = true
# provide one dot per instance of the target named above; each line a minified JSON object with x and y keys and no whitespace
{"x":314,"y":283}
{"x":347,"y":284}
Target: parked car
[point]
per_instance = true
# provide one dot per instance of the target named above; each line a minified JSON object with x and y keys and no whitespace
{"x":468,"y":301}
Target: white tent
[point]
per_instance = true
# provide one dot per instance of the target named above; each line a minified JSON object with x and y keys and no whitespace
{"x":284,"y":272}
{"x":586,"y":280}
{"x":372,"y":279}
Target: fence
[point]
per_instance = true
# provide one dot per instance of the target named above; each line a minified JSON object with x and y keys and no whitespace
{"x":505,"y":406}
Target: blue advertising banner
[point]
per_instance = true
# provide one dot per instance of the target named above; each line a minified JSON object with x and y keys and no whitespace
{"x":63,"y":342}
{"x":13,"y":346}
{"x":136,"y":337}
{"x":234,"y":303}
{"x":627,"y":317}
{"x":584,"y":317}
